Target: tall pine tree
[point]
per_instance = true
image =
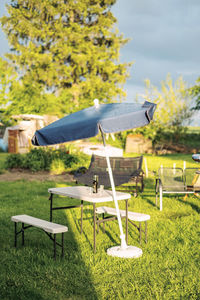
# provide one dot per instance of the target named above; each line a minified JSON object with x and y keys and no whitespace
{"x":67,"y":50}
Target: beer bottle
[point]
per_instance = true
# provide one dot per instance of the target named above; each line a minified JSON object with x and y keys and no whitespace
{"x":95,"y":184}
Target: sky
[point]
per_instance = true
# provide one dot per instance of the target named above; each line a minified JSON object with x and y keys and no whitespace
{"x":164,"y":38}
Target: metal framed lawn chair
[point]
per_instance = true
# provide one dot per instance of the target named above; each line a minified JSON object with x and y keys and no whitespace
{"x":177,"y":181}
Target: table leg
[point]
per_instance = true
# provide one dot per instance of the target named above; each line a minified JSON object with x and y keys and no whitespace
{"x":94,"y":228}
{"x":145,"y":231}
{"x":51,"y":205}
{"x":127,"y":221}
{"x":54,"y":242}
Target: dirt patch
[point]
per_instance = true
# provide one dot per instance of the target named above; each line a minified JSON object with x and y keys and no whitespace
{"x":39,"y":176}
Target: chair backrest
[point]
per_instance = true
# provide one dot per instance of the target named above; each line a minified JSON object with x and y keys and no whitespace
{"x":192,"y":178}
{"x":172,"y":178}
{"x":127,"y":165}
{"x":123,"y":169}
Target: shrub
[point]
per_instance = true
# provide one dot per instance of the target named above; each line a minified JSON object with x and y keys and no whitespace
{"x":37,"y":159}
{"x":46,"y":159}
{"x":57,"y":166}
{"x":13,"y":161}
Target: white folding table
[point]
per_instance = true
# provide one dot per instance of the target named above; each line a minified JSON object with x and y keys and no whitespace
{"x":83,"y":193}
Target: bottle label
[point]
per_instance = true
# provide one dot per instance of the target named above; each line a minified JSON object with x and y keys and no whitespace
{"x":95,"y":184}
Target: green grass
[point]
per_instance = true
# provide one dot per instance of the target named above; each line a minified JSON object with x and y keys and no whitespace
{"x":168,"y":269}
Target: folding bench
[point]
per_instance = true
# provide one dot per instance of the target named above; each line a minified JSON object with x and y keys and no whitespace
{"x":48,"y":227}
{"x":132,"y":217}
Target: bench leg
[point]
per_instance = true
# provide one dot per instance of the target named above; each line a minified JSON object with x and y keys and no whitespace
{"x":51,"y":205}
{"x":127,"y":222}
{"x":104,"y":229}
{"x":54,"y":240}
{"x":62,"y":244}
{"x":98,"y":223}
{"x":15,"y":224}
{"x":104,"y":224}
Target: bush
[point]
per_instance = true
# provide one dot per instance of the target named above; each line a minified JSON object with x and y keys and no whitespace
{"x":57,"y":166}
{"x":37,"y":160}
{"x":46,"y":159}
{"x":13,"y":161}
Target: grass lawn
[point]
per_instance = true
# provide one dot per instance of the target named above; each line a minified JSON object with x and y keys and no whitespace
{"x":168,"y":269}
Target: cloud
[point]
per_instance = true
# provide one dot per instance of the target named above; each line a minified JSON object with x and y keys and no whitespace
{"x":165,"y":38}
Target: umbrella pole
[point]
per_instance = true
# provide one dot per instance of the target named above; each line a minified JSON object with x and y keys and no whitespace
{"x":122,"y":251}
{"x":122,"y":236}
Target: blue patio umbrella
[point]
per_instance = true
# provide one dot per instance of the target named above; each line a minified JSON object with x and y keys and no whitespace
{"x":104,"y":118}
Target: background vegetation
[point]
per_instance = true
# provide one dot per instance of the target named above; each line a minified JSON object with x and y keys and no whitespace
{"x":195,"y":90}
{"x":69,"y":158}
{"x":47,"y":159}
{"x":64,"y":54}
{"x":173,"y":113}
{"x":168,"y":269}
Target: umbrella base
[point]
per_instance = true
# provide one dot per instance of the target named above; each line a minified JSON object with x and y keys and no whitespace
{"x":129,"y":252}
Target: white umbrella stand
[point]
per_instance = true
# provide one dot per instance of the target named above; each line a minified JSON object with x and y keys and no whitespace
{"x":123,"y":251}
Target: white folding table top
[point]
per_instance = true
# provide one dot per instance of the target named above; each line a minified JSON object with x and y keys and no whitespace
{"x":83,"y":193}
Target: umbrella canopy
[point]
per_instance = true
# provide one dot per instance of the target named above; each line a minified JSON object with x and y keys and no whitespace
{"x":113,"y":117}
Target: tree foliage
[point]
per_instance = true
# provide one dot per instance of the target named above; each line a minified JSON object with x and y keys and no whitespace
{"x":173,"y":102}
{"x":66,"y":53}
{"x":7,"y":75}
{"x":195,"y":91}
{"x":18,"y":96}
{"x":173,"y":110}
